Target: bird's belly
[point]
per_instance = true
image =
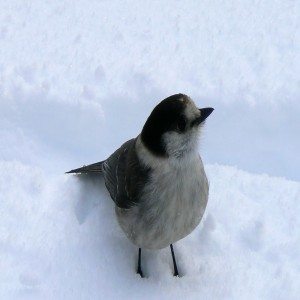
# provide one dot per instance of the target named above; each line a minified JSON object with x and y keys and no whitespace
{"x":172,"y":206}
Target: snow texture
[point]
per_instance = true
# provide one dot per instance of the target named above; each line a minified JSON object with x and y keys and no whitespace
{"x":79,"y":78}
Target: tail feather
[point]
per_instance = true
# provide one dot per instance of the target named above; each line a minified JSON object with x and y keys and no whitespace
{"x":93,"y":168}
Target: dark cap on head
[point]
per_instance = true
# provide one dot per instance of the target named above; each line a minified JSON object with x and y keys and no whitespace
{"x":163,"y":118}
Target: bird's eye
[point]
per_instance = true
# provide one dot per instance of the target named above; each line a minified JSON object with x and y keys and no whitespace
{"x":181,"y":124}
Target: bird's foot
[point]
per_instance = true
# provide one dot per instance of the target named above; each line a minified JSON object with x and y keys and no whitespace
{"x":140,"y":272}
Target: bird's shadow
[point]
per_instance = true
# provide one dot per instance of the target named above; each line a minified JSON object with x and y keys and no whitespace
{"x":91,"y":187}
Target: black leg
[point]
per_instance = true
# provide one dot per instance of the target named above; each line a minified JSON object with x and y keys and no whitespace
{"x":139,"y":269}
{"x":174,"y":262}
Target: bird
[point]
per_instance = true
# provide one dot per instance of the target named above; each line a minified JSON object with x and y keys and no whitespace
{"x":157,"y":179}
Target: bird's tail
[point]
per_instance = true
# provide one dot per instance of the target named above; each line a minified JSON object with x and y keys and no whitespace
{"x":90,"y":169}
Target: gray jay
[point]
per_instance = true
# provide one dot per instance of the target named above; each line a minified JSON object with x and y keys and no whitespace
{"x":157,"y":180}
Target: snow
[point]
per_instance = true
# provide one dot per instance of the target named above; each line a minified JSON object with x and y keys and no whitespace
{"x":59,"y":240}
{"x":77,"y":79}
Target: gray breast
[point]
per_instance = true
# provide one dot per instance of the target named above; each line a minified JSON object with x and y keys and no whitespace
{"x":171,"y":206}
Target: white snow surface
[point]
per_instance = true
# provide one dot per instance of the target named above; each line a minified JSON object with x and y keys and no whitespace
{"x":78,"y":78}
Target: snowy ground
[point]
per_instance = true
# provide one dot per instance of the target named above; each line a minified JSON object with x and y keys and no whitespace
{"x":78,"y":78}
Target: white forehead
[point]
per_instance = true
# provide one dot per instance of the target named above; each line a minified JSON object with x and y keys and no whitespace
{"x":191,"y":111}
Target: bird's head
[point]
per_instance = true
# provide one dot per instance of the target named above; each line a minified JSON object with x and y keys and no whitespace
{"x":173,"y":127}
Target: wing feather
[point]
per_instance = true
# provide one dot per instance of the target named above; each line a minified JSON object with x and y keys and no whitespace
{"x":124,"y":175}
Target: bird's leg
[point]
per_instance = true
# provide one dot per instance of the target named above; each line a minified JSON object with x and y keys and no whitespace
{"x":174,"y":262}
{"x":139,"y":269}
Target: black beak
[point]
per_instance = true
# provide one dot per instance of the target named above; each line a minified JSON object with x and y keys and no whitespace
{"x":204,"y":113}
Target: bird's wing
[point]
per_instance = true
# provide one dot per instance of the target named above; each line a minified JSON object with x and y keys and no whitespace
{"x":124,"y":176}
